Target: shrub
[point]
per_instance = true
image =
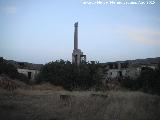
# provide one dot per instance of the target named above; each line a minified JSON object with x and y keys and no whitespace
{"x":70,"y":76}
{"x":148,"y":81}
{"x":11,"y":71}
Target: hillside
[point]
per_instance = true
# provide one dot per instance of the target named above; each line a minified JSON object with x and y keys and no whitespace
{"x":63,"y":105}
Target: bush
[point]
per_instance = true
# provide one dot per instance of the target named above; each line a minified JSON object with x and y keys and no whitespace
{"x":11,"y":71}
{"x":148,"y":81}
{"x":70,"y":76}
{"x":8,"y":69}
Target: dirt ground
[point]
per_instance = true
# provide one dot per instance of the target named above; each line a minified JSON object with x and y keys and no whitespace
{"x":63,"y":105}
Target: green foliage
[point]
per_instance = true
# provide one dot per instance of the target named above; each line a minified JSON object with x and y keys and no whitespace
{"x":11,"y":71}
{"x":148,"y":81}
{"x":68,"y":75}
{"x":6,"y":68}
{"x":151,"y":80}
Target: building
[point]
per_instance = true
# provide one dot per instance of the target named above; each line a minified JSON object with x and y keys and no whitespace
{"x":29,"y":70}
{"x":117,"y":69}
{"x":77,"y":55}
{"x":129,"y":68}
{"x":31,"y":74}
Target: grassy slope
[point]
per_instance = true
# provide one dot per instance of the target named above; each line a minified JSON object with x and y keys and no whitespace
{"x":49,"y":105}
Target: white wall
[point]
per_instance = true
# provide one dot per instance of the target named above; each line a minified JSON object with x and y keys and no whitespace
{"x":25,"y":72}
{"x":131,"y":72}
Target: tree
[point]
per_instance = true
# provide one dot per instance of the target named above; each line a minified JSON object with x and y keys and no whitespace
{"x":11,"y":71}
{"x":148,"y":81}
{"x":69,"y":75}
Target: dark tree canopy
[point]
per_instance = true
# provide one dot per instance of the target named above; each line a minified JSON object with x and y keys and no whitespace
{"x":11,"y":71}
{"x":148,"y":81}
{"x":68,"y":75}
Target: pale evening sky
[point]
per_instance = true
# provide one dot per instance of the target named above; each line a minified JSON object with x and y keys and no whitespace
{"x":41,"y":31}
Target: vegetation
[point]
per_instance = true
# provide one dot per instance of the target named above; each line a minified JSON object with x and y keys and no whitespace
{"x":148,"y":81}
{"x":11,"y":71}
{"x":70,"y":76}
{"x":64,"y":105}
{"x":86,"y":76}
{"x":8,"y":69}
{"x":75,"y":105}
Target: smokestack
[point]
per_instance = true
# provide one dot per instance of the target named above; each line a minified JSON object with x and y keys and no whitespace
{"x":76,"y":36}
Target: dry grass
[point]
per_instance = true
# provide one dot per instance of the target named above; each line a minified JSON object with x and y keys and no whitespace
{"x":63,"y":105}
{"x":47,"y":86}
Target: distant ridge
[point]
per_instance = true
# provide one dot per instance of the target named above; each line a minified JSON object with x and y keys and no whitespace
{"x":146,"y":61}
{"x":24,"y":65}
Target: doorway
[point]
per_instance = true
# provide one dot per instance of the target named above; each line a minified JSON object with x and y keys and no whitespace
{"x":29,"y":75}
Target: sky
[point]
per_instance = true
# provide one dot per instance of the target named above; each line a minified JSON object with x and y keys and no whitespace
{"x":40,"y":31}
